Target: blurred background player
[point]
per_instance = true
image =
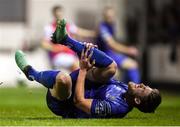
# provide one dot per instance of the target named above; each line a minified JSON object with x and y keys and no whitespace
{"x":119,"y":52}
{"x":62,"y":57}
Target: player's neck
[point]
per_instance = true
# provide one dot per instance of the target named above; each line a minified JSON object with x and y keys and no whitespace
{"x":128,"y":98}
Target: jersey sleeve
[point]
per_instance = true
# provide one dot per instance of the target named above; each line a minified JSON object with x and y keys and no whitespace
{"x":104,"y":32}
{"x":106,"y":108}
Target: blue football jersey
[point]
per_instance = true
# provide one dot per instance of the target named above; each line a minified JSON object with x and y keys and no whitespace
{"x":108,"y":99}
{"x":105,"y":30}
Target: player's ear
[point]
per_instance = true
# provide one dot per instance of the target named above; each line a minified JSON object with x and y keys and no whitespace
{"x":137,"y":100}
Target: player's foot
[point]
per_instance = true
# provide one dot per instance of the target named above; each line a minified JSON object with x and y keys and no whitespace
{"x":22,"y":63}
{"x":60,"y":33}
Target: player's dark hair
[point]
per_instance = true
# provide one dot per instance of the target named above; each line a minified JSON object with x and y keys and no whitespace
{"x":151,"y":102}
{"x":57,"y":7}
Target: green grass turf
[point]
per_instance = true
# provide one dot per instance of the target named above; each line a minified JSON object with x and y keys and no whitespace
{"x":23,"y":106}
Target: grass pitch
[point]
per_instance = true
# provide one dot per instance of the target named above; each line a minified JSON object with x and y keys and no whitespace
{"x":25,"y":106}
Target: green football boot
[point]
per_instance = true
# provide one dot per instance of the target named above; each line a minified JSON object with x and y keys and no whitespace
{"x":60,"y":33}
{"x":22,"y":63}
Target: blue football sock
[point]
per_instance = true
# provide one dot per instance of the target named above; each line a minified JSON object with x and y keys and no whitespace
{"x":102,"y":60}
{"x":132,"y":75}
{"x":46,"y":78}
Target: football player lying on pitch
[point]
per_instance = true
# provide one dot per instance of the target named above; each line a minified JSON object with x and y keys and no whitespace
{"x":89,"y":92}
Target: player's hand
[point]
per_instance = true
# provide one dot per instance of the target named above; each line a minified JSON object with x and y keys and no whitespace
{"x":91,"y":45}
{"x":85,"y":60}
{"x":133,"y":51}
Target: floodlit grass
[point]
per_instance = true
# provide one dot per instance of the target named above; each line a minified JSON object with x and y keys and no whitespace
{"x":25,"y":106}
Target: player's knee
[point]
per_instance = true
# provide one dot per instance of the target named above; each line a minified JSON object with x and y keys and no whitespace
{"x":63,"y":86}
{"x":62,"y":78}
{"x":112,"y":68}
{"x":130,"y":64}
{"x":134,"y":65}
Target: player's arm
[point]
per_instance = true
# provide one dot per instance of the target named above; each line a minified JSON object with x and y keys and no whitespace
{"x":95,"y":107}
{"x":81,"y":32}
{"x":79,"y":98}
{"x":85,"y":33}
{"x":116,"y":46}
{"x":45,"y":44}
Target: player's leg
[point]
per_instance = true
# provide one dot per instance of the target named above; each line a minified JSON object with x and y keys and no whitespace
{"x":59,"y":83}
{"x":62,"y":88}
{"x":102,"y":75}
{"x":129,"y":65}
{"x":106,"y":65}
{"x":131,"y":70}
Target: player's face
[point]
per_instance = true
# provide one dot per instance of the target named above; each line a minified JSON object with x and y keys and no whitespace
{"x":109,"y":15}
{"x":58,"y":14}
{"x":139,"y":89}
